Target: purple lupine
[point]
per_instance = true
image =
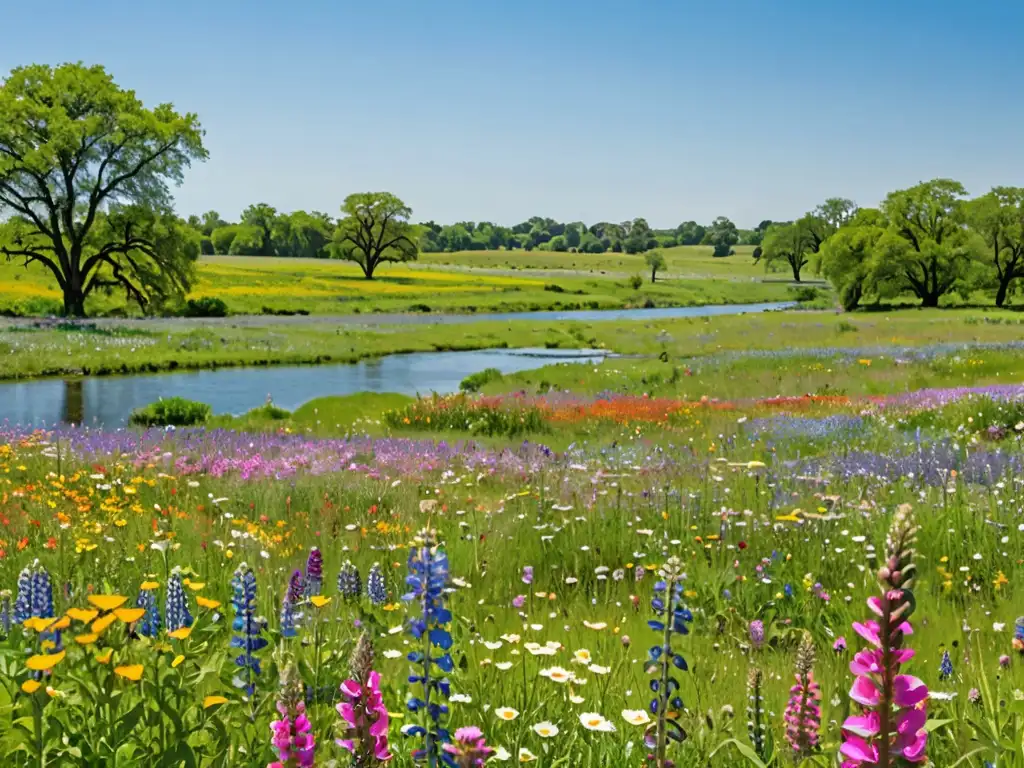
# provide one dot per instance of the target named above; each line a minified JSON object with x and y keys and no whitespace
{"x":314,"y":579}
{"x":757,"y":634}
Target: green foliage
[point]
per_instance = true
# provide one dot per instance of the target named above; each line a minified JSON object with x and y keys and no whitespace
{"x":207,"y":306}
{"x":998,"y":219}
{"x":635,"y":282}
{"x":375,"y":229}
{"x":85,"y":176}
{"x":223,"y":237}
{"x":655,"y":261}
{"x":248,"y":241}
{"x":790,"y":244}
{"x":477,"y":381}
{"x":172,"y":412}
{"x":926,"y":248}
{"x":848,"y":261}
{"x":722,"y":235}
{"x":475,"y":415}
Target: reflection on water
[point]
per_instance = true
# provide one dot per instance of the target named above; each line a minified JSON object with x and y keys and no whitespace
{"x":107,"y":401}
{"x":74,"y":401}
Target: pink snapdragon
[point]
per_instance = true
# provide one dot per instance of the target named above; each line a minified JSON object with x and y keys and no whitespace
{"x":890,"y":730}
{"x":469,"y":749}
{"x":803,"y":712}
{"x":366,"y":716}
{"x":292,"y":737}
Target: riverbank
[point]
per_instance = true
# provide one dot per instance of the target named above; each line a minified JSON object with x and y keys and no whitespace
{"x":120,"y":349}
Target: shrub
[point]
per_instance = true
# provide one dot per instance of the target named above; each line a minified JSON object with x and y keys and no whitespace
{"x":172,"y":412}
{"x":419,"y":308}
{"x":635,"y":282}
{"x":805,"y":293}
{"x":475,"y":415}
{"x":723,"y":249}
{"x":207,"y":306}
{"x":554,"y":288}
{"x":476,"y":381}
{"x":844,"y":327}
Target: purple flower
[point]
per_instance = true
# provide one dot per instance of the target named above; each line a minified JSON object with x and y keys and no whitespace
{"x":757,"y":634}
{"x":519,"y":601}
{"x":469,"y":749}
{"x":839,"y":646}
{"x":527,"y":574}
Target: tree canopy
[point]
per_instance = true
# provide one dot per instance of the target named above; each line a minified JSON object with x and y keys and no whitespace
{"x":375,"y":228}
{"x":85,"y":176}
{"x":998,"y":219}
{"x":656,"y":261}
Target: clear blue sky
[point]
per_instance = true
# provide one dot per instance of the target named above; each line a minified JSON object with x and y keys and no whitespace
{"x":575,"y":109}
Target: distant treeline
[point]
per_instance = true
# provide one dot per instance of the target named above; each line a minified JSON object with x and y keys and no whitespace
{"x":262,"y":231}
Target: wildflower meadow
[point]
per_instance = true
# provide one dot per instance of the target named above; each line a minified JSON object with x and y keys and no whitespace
{"x":824,"y":580}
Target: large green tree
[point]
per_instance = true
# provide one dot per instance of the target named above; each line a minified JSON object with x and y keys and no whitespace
{"x":927,"y":248}
{"x":848,"y":259}
{"x":723,"y":235}
{"x":263,"y":217}
{"x":791,"y":244}
{"x":85,"y":175}
{"x":375,"y":228}
{"x":998,"y":218}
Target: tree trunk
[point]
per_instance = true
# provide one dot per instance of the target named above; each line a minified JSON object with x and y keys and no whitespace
{"x":74,"y":301}
{"x":796,"y":272}
{"x":930,"y":299}
{"x":1004,"y":286}
{"x":653,"y":273}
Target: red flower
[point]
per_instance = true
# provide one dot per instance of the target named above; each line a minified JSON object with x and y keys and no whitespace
{"x":51,"y":543}
{"x":742,"y":545}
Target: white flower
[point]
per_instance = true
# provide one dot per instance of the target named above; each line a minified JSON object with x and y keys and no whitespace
{"x":492,"y":646}
{"x":636,"y":716}
{"x":998,"y":626}
{"x":391,"y":653}
{"x":546,"y":730}
{"x":942,"y":695}
{"x":557,"y":675}
{"x":460,"y":698}
{"x":506,"y":713}
{"x":501,"y":754}
{"x":582,"y":656}
{"x":595,"y":625}
{"x":526,"y":756}
{"x":504,"y":666}
{"x":160,"y":546}
{"x":575,"y":699}
{"x":597,"y":669}
{"x":592,"y":721}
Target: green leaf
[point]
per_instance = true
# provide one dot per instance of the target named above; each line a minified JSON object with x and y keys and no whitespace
{"x":744,"y":749}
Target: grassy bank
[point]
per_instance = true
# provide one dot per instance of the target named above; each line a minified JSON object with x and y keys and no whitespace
{"x":27,"y":352}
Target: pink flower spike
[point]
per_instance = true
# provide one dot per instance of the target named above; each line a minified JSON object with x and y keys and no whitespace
{"x":859,"y":751}
{"x":351,"y":688}
{"x":864,"y":726}
{"x":908,"y":690}
{"x":875,"y":604}
{"x":865,"y":692}
{"x":866,"y":663}
{"x":869,"y":631}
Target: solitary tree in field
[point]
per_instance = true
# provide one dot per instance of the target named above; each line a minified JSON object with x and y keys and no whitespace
{"x":655,"y":261}
{"x":375,"y":228}
{"x":85,"y":171}
{"x":789,"y":243}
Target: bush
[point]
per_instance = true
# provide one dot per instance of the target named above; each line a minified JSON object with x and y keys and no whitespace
{"x":723,"y":249}
{"x":554,"y":288}
{"x":476,"y":381}
{"x":475,"y":415}
{"x":205,"y":307}
{"x":419,"y":308}
{"x":805,"y":293}
{"x":173,"y":412}
{"x":635,"y":282}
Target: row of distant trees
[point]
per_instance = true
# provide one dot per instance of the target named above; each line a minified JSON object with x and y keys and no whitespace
{"x":262,"y":231}
{"x":930,"y":240}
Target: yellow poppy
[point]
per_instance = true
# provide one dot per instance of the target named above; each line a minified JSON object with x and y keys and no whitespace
{"x":131,"y":672}
{"x":128,"y":615}
{"x":180,"y":634}
{"x":177,"y":660}
{"x":319,"y":600}
{"x":195,"y":586}
{"x":103,"y":622}
{"x":83,"y":615}
{"x":207,"y":603}
{"x":210,"y":701}
{"x":41,"y":662}
{"x":104,"y":658}
{"x":31,"y":686}
{"x":37,"y":623}
{"x":86,"y":639}
{"x":107,"y":602}
{"x":149,"y":585}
